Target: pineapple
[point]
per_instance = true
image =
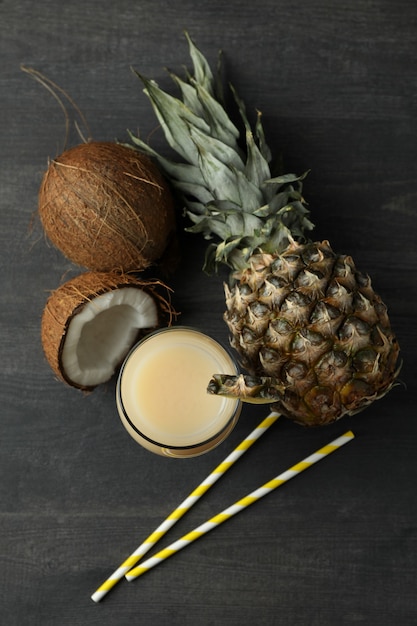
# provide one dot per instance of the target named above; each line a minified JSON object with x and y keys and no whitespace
{"x":311,"y":333}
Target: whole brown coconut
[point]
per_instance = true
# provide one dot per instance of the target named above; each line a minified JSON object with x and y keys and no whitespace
{"x":107,"y":207}
{"x":91,"y":321}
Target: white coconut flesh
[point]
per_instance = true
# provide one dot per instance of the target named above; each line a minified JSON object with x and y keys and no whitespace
{"x":103,"y":331}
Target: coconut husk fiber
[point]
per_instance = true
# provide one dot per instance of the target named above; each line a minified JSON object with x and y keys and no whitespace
{"x":107,"y":207}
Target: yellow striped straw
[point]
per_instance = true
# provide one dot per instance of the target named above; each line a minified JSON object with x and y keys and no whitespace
{"x":185,"y":506}
{"x":239,"y":506}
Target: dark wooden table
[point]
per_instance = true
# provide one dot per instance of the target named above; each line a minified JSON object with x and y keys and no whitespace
{"x":337,"y":84}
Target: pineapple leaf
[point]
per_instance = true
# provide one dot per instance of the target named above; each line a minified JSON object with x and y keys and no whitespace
{"x":252,"y":225}
{"x":202,"y":70}
{"x":220,"y":178}
{"x":257,"y":168}
{"x":278,"y":237}
{"x":263,"y":146}
{"x":241,"y":107}
{"x":201,"y":102}
{"x":224,"y":249}
{"x":251,"y":197}
{"x":282,"y":199}
{"x":294,"y":217}
{"x":263,"y":211}
{"x":186,"y":178}
{"x":221,"y":151}
{"x":287,"y":178}
{"x":218,"y":80}
{"x":258,"y":158}
{"x":228,"y":183}
{"x":220,"y":124}
{"x":192,"y":190}
{"x":189,"y":95}
{"x":210,"y":264}
{"x":208,"y":226}
{"x":180,"y":171}
{"x":175,"y":119}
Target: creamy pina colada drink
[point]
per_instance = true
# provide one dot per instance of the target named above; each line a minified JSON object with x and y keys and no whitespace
{"x":162,"y":394}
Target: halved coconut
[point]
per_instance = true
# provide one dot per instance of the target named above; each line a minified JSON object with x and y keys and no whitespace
{"x":90,"y":323}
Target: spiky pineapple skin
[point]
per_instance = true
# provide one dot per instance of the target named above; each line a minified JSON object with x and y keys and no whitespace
{"x":311,"y":321}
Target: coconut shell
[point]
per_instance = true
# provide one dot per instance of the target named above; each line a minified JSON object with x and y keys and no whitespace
{"x":107,"y":207}
{"x":68,"y":299}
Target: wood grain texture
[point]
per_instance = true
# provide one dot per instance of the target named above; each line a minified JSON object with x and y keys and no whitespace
{"x":337,"y":85}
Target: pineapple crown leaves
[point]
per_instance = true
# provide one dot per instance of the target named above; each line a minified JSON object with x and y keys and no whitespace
{"x":228,"y":191}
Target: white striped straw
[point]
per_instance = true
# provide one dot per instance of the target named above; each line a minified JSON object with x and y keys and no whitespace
{"x":184,"y":507}
{"x":238,"y":506}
